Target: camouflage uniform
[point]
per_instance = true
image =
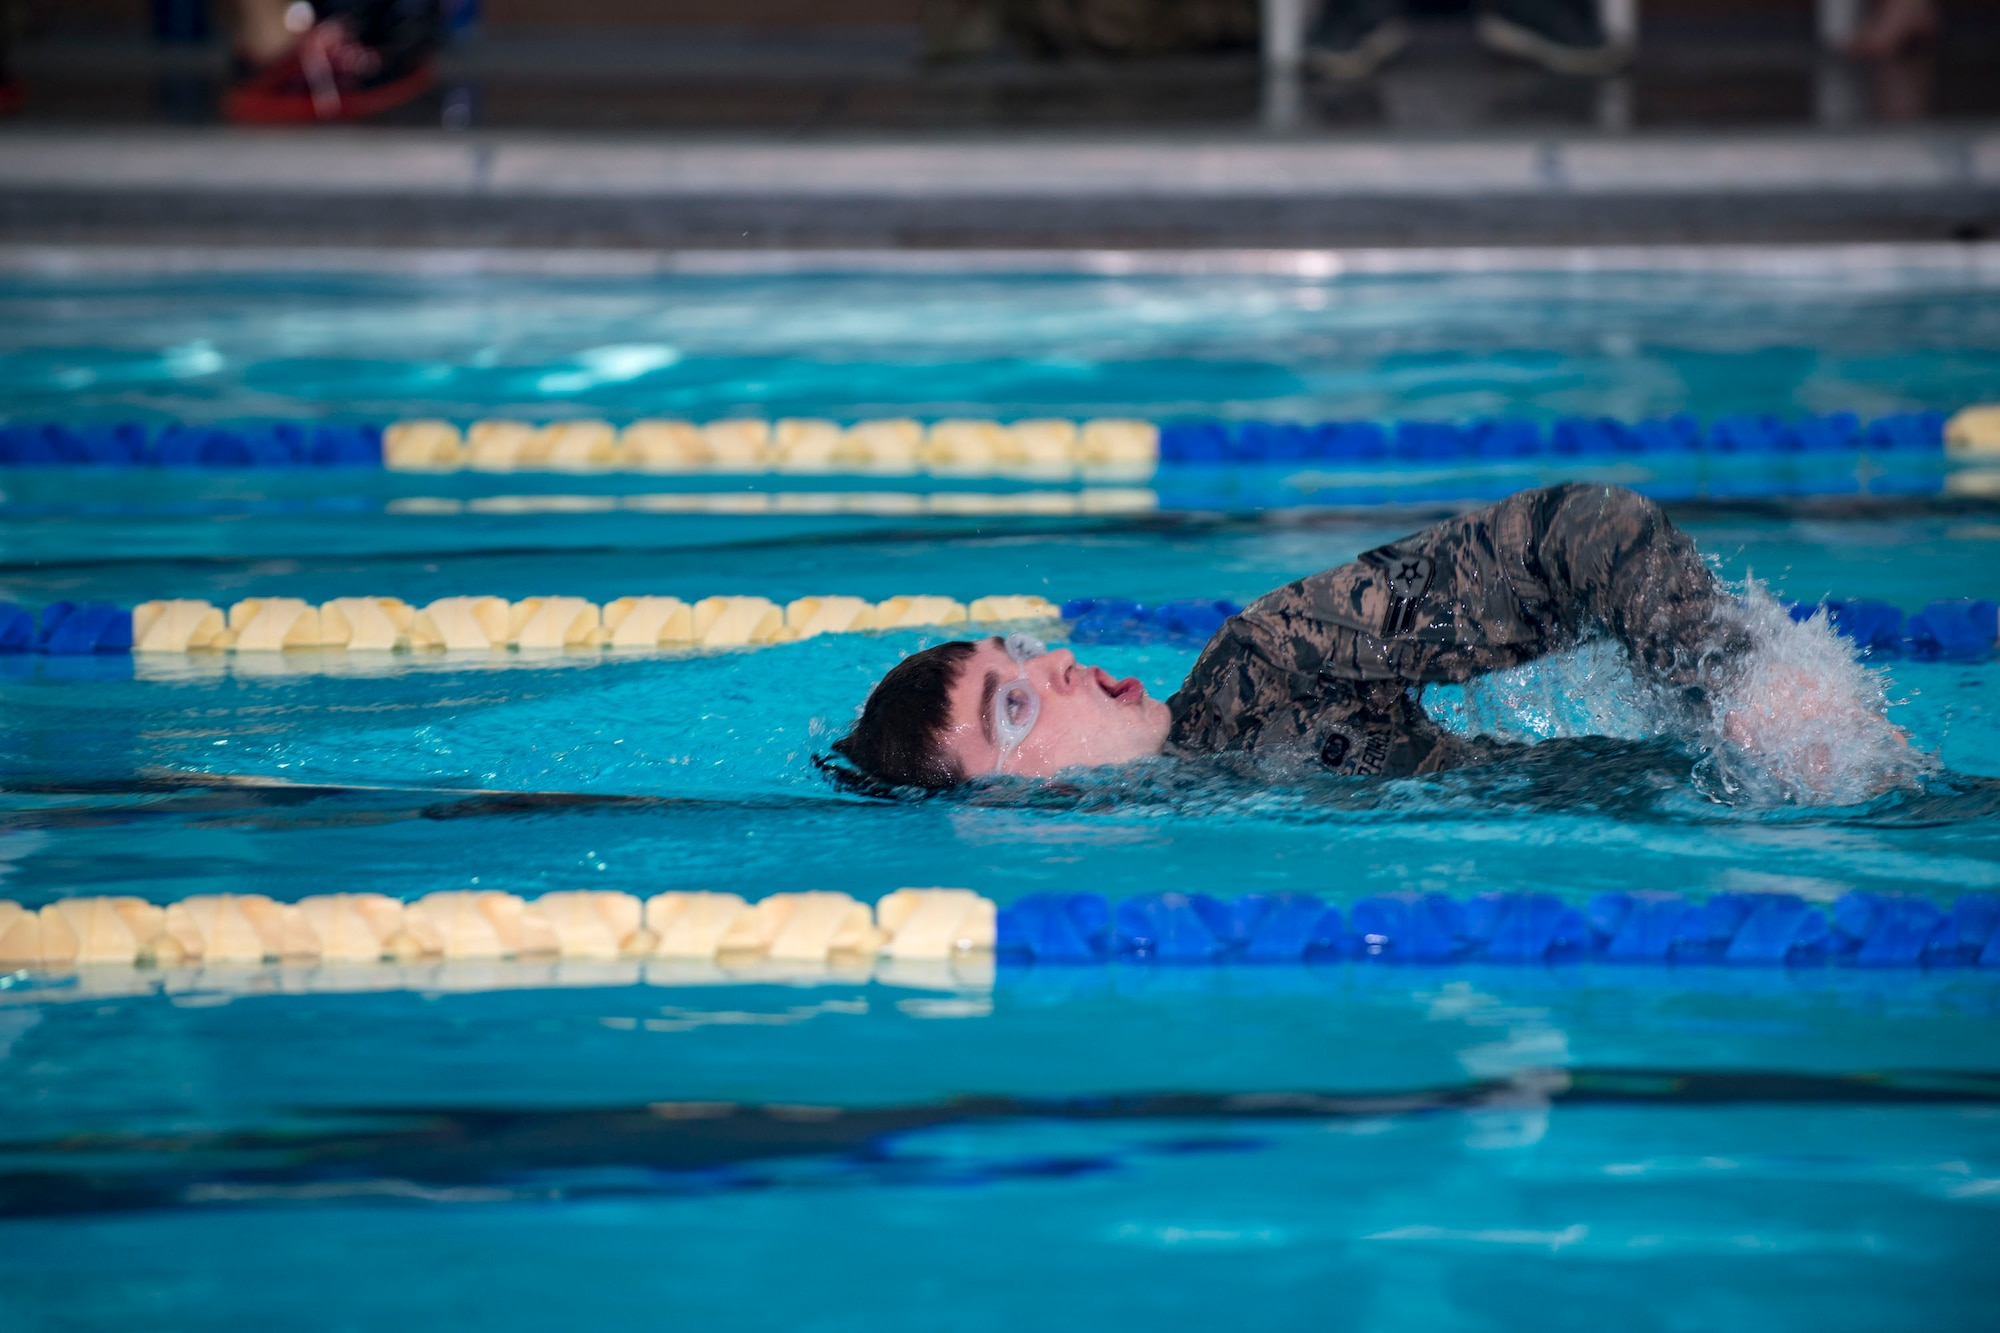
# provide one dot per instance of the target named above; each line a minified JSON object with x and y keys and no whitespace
{"x":1326,"y":664}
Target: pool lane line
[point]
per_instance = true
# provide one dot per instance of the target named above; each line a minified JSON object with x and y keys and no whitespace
{"x":953,"y":529}
{"x":457,"y":1154}
{"x":223,"y":800}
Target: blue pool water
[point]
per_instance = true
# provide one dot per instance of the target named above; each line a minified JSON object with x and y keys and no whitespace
{"x":1829,"y":1186}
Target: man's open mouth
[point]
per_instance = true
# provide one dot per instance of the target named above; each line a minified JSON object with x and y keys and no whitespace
{"x":1126,"y":691}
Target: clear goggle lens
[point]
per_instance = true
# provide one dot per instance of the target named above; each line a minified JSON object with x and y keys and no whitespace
{"x":1016,"y":705}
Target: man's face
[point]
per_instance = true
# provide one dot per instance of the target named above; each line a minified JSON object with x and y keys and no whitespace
{"x":1086,"y":717}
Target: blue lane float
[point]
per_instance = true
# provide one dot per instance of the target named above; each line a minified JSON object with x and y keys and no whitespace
{"x":128,"y":444}
{"x":1208,"y":442}
{"x":1953,"y":630}
{"x":1730,"y":929}
{"x":1186,"y":623}
{"x":66,"y":629}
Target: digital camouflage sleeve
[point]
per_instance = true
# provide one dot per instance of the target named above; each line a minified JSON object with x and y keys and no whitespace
{"x":1326,"y":664}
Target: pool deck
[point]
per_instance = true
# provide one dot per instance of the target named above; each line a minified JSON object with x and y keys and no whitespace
{"x":1735,"y":129}
{"x":431,"y":187}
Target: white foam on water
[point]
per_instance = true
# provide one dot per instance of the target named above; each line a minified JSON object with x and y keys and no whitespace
{"x":1803,"y":720}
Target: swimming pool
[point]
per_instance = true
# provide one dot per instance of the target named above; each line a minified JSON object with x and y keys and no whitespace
{"x":1491,"y":1146}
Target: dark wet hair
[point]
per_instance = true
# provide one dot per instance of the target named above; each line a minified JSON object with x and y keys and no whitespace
{"x":899,"y":739}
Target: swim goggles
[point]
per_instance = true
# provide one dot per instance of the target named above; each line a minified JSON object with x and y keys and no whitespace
{"x":1015,"y":704}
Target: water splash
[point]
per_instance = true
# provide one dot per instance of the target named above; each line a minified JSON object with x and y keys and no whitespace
{"x":1586,"y":691}
{"x":1798,"y":720}
{"x":1803,"y":720}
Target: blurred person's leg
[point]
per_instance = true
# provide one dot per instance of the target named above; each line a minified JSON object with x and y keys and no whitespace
{"x":1893,"y":27}
{"x":1897,"y":39}
{"x":334,"y":60}
{"x":11,"y":16}
{"x":1354,"y":38}
{"x":1565,"y":36}
{"x":1900,"y":89}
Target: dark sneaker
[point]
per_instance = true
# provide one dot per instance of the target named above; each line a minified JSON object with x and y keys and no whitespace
{"x":346,"y":66}
{"x":1560,"y":35}
{"x":1354,"y":38}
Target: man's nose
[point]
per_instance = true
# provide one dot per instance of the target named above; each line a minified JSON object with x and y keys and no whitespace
{"x":1059,"y":662}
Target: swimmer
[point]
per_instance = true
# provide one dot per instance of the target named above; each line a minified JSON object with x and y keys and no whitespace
{"x":1326,"y":666}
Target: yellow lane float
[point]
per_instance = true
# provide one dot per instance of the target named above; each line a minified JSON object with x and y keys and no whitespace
{"x":1974,"y":432}
{"x":909,"y":925}
{"x":1041,"y":447}
{"x":487,"y":624}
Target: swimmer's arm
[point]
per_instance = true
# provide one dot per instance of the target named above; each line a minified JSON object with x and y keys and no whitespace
{"x":1544,"y":569}
{"x":1502,"y":586}
{"x":1486,"y":591}
{"x":1608,"y":560}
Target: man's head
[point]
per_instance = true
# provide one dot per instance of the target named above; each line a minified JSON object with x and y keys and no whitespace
{"x":957,"y":711}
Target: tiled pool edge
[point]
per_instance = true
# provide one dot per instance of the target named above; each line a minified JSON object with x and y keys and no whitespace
{"x":502,"y":165}
{"x":1965,"y":260}
{"x":1003,"y":192}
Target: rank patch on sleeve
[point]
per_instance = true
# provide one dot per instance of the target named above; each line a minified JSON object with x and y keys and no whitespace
{"x":1409,"y":578}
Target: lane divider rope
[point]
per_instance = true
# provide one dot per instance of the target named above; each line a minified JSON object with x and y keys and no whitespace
{"x":1040,"y":447}
{"x":1957,"y":629}
{"x":931,"y":926}
{"x":1042,"y":502}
